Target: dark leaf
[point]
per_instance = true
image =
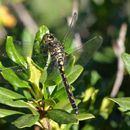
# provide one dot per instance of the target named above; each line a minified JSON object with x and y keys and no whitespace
{"x":61,"y":116}
{"x":9,"y":75}
{"x":10,"y":94}
{"x":85,"y":116}
{"x":4,"y":113}
{"x":126,"y":59}
{"x":26,"y":120}
{"x":13,"y":53}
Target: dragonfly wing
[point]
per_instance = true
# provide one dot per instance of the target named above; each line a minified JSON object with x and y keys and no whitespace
{"x":85,"y":52}
{"x":70,"y":28}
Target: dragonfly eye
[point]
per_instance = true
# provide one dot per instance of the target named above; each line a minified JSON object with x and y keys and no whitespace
{"x":50,"y":37}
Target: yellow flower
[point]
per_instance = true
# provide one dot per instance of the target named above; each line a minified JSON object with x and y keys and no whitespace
{"x":6,"y":19}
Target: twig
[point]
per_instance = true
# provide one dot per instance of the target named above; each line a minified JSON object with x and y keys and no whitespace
{"x":3,"y":32}
{"x":119,"y":48}
{"x":71,"y":21}
{"x":75,"y":7}
{"x":25,"y":17}
{"x":36,"y":127}
{"x":73,"y":18}
{"x":77,"y":39}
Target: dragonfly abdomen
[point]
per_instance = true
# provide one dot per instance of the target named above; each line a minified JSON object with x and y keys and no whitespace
{"x":67,"y":86}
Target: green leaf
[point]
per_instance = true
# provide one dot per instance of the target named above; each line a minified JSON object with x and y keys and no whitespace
{"x":13,"y":54}
{"x":4,"y":113}
{"x":38,"y":38}
{"x":27,"y":94}
{"x":85,"y":116}
{"x":70,"y":64}
{"x":126,"y":59}
{"x":62,"y":100}
{"x":26,"y":120}
{"x":13,"y":103}
{"x":61,"y":116}
{"x":16,"y":103}
{"x":49,"y":103}
{"x":94,"y":77}
{"x":88,"y":93}
{"x":106,"y":107}
{"x":49,"y":88}
{"x":35,"y":72}
{"x":43,"y":77}
{"x":27,"y":47}
{"x":41,"y":32}
{"x":54,"y":76}
{"x":107,"y":55}
{"x":37,"y":52}
{"x":123,"y":102}
{"x":68,"y":45}
{"x":9,"y":75}
{"x":10,"y":94}
{"x":75,"y":73}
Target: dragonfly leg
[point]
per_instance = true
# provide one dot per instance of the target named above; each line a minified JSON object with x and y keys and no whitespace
{"x":48,"y":61}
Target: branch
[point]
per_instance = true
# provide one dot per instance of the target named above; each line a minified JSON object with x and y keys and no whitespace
{"x":36,"y":127}
{"x":119,"y":48}
{"x":25,"y":17}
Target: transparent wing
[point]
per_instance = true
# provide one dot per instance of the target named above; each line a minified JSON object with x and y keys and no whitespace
{"x":85,"y":52}
{"x":8,"y":63}
{"x":25,"y":48}
{"x":82,"y":51}
{"x":71,"y":24}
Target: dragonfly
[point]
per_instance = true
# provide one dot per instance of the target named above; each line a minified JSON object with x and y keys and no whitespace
{"x":58,"y":54}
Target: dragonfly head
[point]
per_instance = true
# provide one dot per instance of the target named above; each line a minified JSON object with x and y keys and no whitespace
{"x":48,"y":38}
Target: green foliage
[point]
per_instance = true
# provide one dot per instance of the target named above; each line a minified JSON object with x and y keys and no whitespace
{"x":62,"y":117}
{"x":85,"y":116}
{"x":10,"y":94}
{"x":11,"y":77}
{"x":13,"y":54}
{"x":43,"y":102}
{"x":4,"y":113}
{"x":26,"y":120}
{"x":124,"y":102}
{"x":126,"y":60}
{"x":95,"y":85}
